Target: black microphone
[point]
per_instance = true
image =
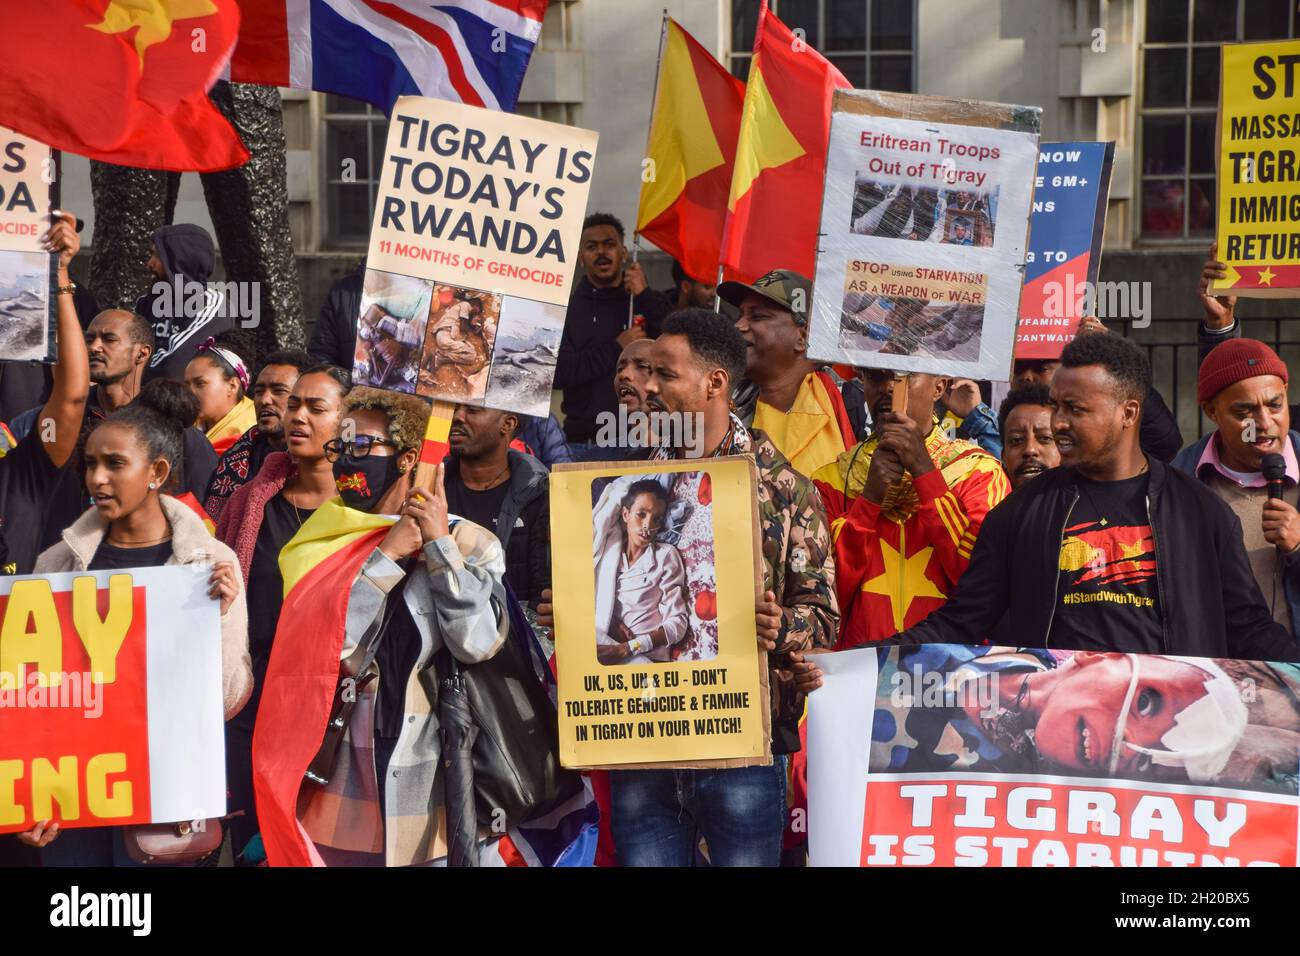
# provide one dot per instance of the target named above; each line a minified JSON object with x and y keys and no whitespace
{"x":1274,"y":469}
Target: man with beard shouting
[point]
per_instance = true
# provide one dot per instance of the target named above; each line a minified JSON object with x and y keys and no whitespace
{"x":1025,"y":424}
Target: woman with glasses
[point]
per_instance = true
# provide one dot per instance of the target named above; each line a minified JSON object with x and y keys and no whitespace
{"x":432,"y":581}
{"x":257,"y":522}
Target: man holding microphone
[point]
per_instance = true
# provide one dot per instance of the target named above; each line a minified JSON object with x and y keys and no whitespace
{"x":1242,"y":388}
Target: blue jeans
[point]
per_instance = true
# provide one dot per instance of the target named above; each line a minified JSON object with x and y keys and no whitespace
{"x":658,"y":816}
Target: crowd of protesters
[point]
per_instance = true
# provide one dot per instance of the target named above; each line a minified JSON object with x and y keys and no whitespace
{"x":946,"y":521}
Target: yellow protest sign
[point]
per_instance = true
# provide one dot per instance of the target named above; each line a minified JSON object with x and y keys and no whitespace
{"x":656,"y":647}
{"x":1259,"y":169}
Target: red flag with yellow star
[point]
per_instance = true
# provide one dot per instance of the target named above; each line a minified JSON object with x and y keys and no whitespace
{"x":693,"y":146}
{"x":773,"y":212}
{"x":123,"y":81}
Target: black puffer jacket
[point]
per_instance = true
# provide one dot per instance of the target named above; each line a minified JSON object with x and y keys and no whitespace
{"x":1211,"y":604}
{"x":524,"y":524}
{"x":334,"y":339}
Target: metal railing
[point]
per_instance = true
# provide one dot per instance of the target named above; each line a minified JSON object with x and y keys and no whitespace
{"x":1172,"y":349}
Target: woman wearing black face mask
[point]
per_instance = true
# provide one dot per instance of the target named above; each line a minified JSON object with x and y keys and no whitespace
{"x":430,"y":581}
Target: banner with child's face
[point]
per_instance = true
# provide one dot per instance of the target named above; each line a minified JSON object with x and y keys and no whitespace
{"x":656,"y":645}
{"x":948,"y":755}
{"x":110,"y":699}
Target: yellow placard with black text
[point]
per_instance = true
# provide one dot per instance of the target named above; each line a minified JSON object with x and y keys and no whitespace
{"x":1258,"y":228}
{"x":657,"y":569}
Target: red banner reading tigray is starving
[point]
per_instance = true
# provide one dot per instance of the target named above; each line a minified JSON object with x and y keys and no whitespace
{"x":948,"y":755}
{"x":110,"y":699}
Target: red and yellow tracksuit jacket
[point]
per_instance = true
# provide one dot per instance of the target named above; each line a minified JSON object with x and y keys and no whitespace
{"x":897,"y":561}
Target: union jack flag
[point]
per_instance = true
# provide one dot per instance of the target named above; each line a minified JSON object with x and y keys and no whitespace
{"x":468,"y":51}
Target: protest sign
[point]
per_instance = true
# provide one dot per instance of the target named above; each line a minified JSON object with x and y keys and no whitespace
{"x":472,"y":252}
{"x":923,"y":229}
{"x":28,"y":193}
{"x":1259,"y":170}
{"x":110,"y":699}
{"x":951,"y":755}
{"x":659,"y":664}
{"x":1064,"y":256}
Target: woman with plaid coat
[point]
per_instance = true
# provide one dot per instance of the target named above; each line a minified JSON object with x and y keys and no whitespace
{"x":432,"y":581}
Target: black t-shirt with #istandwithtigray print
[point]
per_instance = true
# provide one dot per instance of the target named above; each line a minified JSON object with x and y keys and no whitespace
{"x":1107,"y":598}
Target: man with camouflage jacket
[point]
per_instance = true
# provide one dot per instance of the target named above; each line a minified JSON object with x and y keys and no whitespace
{"x":658,"y":815}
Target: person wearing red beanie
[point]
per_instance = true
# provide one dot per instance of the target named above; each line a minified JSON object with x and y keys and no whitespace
{"x":1242,"y":389}
{"x":1233,"y":361}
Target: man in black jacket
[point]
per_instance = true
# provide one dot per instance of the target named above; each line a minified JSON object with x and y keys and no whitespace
{"x":334,"y":339}
{"x":503,"y":490}
{"x":597,"y":326}
{"x":1112,"y":551}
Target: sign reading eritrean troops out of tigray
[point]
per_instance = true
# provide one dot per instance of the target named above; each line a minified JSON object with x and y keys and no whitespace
{"x":925,"y":218}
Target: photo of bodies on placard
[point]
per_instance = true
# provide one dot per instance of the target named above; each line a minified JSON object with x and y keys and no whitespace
{"x":923,"y":213}
{"x":656,"y":581}
{"x":455,"y":344}
{"x":913,"y":310}
{"x":24,"y":305}
{"x":523,"y":360}
{"x":425,"y":337}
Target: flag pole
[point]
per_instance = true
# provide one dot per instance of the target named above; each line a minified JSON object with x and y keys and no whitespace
{"x":435,"y":446}
{"x":654,"y":98}
{"x":727,"y":221}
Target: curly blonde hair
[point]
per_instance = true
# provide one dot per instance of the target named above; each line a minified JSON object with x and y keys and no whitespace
{"x":407,"y":415}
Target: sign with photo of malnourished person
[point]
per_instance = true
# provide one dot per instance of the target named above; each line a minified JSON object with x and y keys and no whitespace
{"x":953,"y":755}
{"x":924,"y":223}
{"x":472,"y":253}
{"x":656,"y":645}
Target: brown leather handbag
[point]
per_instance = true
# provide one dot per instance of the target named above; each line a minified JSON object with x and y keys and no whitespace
{"x":173,"y":844}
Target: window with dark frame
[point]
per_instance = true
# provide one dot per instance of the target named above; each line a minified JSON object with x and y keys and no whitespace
{"x":355,"y":134}
{"x":1179,"y":102}
{"x":872,"y":42}
{"x":358,"y":131}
